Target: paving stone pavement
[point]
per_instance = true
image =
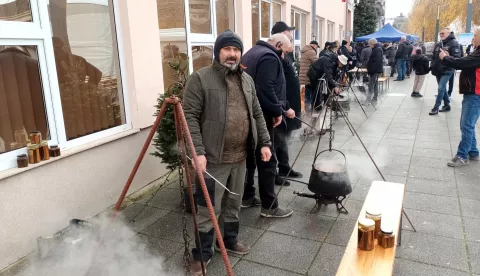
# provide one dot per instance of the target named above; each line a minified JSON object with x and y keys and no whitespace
{"x":409,"y":147}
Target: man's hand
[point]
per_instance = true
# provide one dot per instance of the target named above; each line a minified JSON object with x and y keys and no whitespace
{"x":443,"y":54}
{"x":277,"y":121}
{"x":201,"y":161}
{"x":266,"y":154}
{"x":290,"y":113}
{"x":336,"y":90}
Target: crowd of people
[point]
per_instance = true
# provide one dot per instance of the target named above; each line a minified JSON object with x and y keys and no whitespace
{"x":242,"y":109}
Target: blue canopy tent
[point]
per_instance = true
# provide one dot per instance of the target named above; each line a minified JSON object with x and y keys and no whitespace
{"x":387,"y":34}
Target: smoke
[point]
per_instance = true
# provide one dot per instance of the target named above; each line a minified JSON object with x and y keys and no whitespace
{"x":109,"y":248}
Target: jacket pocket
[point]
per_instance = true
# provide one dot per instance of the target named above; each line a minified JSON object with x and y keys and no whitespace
{"x":212,"y":135}
{"x":215,"y":101}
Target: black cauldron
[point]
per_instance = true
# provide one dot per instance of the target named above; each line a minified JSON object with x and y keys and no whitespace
{"x":330,"y":179}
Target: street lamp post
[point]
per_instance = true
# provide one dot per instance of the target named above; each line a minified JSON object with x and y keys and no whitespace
{"x":438,"y":23}
{"x":469,"y":17}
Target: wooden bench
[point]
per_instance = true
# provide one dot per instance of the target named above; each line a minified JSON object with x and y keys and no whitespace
{"x":384,"y":80}
{"x":389,"y":197}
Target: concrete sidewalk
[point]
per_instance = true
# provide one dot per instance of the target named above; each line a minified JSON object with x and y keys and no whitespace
{"x":409,"y":146}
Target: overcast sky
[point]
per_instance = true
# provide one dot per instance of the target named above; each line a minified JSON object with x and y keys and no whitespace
{"x":395,"y":7}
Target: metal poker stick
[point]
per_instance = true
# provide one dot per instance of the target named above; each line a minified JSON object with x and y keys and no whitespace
{"x":221,"y":184}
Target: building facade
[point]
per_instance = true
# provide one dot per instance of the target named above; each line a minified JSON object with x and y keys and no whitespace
{"x":86,"y":74}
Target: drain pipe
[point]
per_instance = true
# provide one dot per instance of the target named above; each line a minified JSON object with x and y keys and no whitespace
{"x":314,"y":20}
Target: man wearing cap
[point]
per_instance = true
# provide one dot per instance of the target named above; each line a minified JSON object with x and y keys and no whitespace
{"x":226,"y":122}
{"x":326,"y":66}
{"x":264,"y":64}
{"x":374,"y":67}
{"x":309,"y":56}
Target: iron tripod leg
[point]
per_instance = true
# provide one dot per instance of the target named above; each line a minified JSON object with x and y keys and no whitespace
{"x":399,"y":243}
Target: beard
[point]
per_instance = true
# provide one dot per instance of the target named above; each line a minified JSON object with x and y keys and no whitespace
{"x":231,"y":67}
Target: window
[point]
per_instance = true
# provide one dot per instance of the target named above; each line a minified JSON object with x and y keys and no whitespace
{"x":320,"y":31}
{"x":202,"y":56}
{"x":265,"y":16}
{"x":191,"y":41}
{"x":277,"y":12}
{"x":59,"y":75}
{"x":15,"y":10}
{"x":331,"y":31}
{"x":340,"y":33}
{"x":224,"y":11}
{"x":200,"y":19}
{"x":265,"y":13}
{"x":299,"y":22}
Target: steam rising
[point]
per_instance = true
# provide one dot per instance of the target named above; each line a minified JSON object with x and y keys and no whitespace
{"x":120,"y":253}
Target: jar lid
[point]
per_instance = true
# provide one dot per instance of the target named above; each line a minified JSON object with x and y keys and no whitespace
{"x":374,"y":212}
{"x":366,"y":222}
{"x":386,"y":229}
{"x":34,"y":132}
{"x":54,"y":146}
{"x":21,"y":156}
{"x":44,"y":143}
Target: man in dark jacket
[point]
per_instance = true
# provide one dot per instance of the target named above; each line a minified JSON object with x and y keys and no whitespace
{"x":443,"y":73}
{"x":264,"y":64}
{"x":409,"y":49}
{"x":421,"y":65}
{"x":469,"y":84}
{"x":283,"y":132}
{"x":225,"y":122}
{"x":325,"y":66}
{"x":325,"y":49}
{"x":374,"y":67}
{"x":390,"y":56}
{"x":343,"y":50}
{"x":401,"y":57}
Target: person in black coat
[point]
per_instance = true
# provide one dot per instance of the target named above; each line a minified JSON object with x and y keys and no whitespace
{"x":344,"y":51}
{"x":401,"y":58}
{"x":443,"y":73}
{"x":374,"y":67}
{"x":326,"y":66}
{"x":421,"y":65}
{"x":325,"y":49}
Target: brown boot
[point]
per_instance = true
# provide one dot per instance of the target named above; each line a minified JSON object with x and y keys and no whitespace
{"x":238,"y":249}
{"x":196,"y":268}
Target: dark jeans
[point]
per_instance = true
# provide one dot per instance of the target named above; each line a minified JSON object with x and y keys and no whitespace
{"x":281,"y":139}
{"x":442,"y":90}
{"x":308,"y":95}
{"x":393,"y":69}
{"x":468,"y":120}
{"x":401,"y":68}
{"x":450,"y":84}
{"x":267,"y":171}
{"x":373,"y":84}
{"x":249,"y":189}
{"x":409,"y":67}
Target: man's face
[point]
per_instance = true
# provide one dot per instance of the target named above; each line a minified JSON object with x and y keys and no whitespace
{"x":314,"y":46}
{"x":371,"y":45}
{"x":230,"y":57}
{"x":444,"y":34}
{"x":476,"y":39}
{"x":284,"y":47}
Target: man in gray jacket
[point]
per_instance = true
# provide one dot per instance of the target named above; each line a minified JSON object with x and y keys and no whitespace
{"x":225,"y":122}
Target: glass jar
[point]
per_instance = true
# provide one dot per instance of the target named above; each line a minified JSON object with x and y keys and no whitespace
{"x":22,"y":161}
{"x":44,"y":151}
{"x":34,"y":154}
{"x":366,"y":234}
{"x":54,"y":151}
{"x":376,"y":216}
{"x":35,"y":137}
{"x":20,"y":137}
{"x":387,"y":238}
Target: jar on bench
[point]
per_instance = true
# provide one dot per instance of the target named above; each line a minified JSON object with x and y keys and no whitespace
{"x":366,"y":234}
{"x":376,"y":216}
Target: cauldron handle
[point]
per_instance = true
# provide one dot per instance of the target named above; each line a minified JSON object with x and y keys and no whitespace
{"x":315,"y":160}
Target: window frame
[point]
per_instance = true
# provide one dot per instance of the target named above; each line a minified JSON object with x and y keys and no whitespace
{"x":320,"y":31}
{"x":299,"y":30}
{"x":271,"y":2}
{"x":193,"y":39}
{"x":40,"y":34}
